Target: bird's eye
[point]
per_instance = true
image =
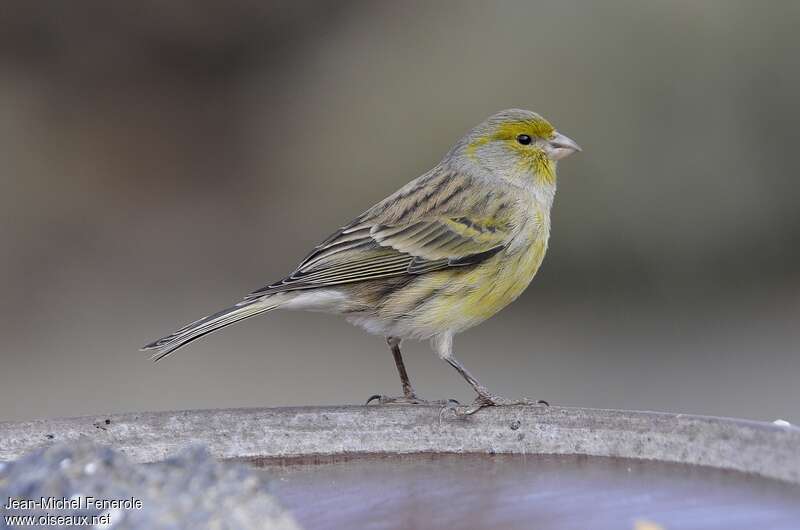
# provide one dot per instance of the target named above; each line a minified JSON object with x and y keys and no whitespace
{"x":524,"y":139}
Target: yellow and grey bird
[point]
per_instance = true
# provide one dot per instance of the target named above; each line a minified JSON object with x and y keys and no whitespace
{"x":442,"y":254}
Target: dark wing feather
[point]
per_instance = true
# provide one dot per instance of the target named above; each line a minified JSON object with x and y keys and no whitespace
{"x":387,"y":251}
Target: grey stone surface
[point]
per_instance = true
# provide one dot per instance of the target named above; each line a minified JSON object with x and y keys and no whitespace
{"x":188,"y":491}
{"x":251,"y":434}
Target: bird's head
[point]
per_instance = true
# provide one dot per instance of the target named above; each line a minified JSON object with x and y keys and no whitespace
{"x":515,"y":144}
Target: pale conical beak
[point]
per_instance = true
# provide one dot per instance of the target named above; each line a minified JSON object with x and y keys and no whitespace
{"x":561,"y":146}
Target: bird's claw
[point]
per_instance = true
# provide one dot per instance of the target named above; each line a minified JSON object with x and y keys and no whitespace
{"x":410,"y":399}
{"x":488,"y":400}
{"x":455,"y":407}
{"x":373,"y":397}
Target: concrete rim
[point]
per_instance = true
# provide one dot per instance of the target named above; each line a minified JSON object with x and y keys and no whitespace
{"x":258,"y":433}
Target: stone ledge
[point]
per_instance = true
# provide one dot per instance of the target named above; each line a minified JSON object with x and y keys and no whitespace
{"x":252,"y":434}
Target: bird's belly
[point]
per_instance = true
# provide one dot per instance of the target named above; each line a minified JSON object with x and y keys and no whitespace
{"x":454,"y":300}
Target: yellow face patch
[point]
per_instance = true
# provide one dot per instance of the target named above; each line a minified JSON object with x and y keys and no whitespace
{"x":532,"y":158}
{"x":541,"y":165}
{"x":536,"y":128}
{"x":509,"y":131}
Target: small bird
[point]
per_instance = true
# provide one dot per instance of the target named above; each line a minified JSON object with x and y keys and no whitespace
{"x":442,"y":254}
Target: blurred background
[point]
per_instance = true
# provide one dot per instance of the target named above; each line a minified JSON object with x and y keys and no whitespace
{"x":160,"y":159}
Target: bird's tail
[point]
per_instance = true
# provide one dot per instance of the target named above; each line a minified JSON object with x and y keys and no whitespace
{"x":163,"y":347}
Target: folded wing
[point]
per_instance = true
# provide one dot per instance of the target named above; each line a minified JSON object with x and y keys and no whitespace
{"x":403,"y":236}
{"x":359,"y":253}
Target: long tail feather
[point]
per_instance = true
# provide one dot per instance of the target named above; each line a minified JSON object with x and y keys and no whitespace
{"x":164,"y":346}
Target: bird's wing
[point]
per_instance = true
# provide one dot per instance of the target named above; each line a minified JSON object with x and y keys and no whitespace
{"x":410,"y":233}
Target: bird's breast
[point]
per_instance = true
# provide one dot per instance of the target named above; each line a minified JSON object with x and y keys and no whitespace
{"x":464,"y":298}
{"x":499,"y":285}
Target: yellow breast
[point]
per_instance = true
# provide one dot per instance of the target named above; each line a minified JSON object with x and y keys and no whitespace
{"x":466,"y":298}
{"x":497,"y":284}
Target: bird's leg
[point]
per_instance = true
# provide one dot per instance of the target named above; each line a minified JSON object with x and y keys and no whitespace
{"x":394,"y":345}
{"x":485,"y":398}
{"x":409,"y":397}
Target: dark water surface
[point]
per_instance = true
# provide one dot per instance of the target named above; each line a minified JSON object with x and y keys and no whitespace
{"x":540,"y":492}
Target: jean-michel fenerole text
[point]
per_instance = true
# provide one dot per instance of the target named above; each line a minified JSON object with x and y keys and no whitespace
{"x":73,"y":503}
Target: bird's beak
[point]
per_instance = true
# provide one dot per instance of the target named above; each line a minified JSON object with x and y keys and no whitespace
{"x":561,"y":146}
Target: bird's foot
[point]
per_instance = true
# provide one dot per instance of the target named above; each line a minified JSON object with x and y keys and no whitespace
{"x":489,"y":400}
{"x":408,"y":399}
